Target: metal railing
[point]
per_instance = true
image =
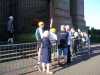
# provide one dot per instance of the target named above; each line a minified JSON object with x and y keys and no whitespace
{"x":16,"y":59}
{"x":17,"y":51}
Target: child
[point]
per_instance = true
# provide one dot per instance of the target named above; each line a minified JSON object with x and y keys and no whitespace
{"x":46,"y":53}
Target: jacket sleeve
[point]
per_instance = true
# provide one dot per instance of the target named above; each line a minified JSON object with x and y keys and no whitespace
{"x":36,"y":34}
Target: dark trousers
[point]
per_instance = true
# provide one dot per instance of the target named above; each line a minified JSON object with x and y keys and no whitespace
{"x":11,"y":35}
{"x":75,"y":46}
{"x":69,"y":55}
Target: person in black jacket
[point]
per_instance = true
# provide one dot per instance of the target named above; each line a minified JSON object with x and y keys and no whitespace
{"x":62,"y":45}
{"x":69,"y":43}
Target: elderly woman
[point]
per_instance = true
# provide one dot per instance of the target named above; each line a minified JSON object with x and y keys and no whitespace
{"x":46,"y":52}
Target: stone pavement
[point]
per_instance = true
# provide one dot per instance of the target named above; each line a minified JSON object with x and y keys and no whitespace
{"x":82,"y":64}
{"x":88,"y":67}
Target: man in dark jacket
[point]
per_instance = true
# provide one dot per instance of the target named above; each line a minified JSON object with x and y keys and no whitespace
{"x":62,"y":45}
{"x":10,"y":29}
{"x":69,"y":43}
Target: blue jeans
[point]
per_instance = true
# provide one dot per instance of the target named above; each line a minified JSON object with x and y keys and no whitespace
{"x":63,"y":50}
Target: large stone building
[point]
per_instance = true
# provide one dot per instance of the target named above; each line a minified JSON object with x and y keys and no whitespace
{"x":28,"y":12}
{"x":77,"y":14}
{"x":69,"y":12}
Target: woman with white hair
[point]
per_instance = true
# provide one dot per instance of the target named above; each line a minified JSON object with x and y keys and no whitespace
{"x":46,"y":52}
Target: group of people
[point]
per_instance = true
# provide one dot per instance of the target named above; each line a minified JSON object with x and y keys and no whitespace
{"x":44,"y":47}
{"x":68,"y":41}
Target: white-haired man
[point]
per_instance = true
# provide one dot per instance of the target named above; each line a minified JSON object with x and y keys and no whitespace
{"x":68,"y":30}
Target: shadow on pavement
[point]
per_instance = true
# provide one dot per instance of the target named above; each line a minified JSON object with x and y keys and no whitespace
{"x":83,"y":56}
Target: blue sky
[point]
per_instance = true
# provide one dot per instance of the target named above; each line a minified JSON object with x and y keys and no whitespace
{"x":92,"y":13}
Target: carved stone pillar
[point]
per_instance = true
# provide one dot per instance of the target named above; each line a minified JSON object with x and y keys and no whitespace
{"x":77,"y":13}
{"x":61,"y":12}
